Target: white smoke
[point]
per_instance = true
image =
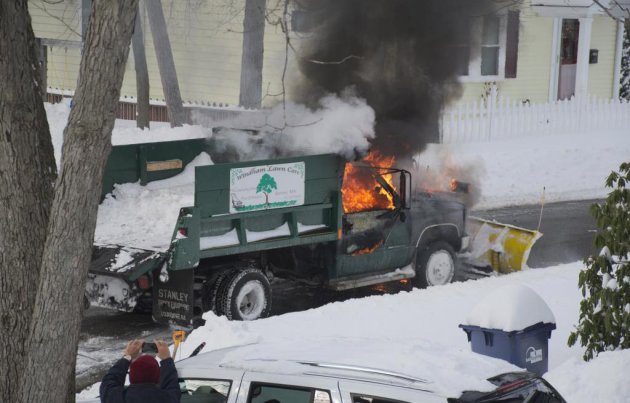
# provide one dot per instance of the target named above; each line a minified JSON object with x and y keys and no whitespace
{"x":342,"y":125}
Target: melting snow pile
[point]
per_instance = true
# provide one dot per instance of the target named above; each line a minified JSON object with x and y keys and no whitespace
{"x":145,"y":216}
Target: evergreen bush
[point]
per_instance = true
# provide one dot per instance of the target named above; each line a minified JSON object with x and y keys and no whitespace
{"x":604,"y":322}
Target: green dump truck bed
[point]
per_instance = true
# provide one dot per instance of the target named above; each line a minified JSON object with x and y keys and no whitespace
{"x":253,"y":206}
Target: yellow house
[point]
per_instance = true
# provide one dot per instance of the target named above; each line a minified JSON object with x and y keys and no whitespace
{"x":544,"y":51}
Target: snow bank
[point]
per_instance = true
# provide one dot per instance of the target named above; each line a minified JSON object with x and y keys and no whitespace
{"x":512,"y":307}
{"x":145,"y":216}
{"x":603,"y":379}
{"x":417,"y":331}
{"x":458,"y":369}
{"x":515,"y":171}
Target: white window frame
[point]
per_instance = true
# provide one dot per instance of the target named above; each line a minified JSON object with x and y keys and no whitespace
{"x":474,"y":64}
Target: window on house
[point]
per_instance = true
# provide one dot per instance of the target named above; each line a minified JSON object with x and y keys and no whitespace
{"x":490,"y":46}
{"x":487,"y":47}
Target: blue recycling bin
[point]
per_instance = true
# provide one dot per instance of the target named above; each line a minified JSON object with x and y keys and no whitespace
{"x":527,"y":348}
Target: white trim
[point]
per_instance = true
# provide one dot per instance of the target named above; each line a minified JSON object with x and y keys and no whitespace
{"x":584,"y":45}
{"x":555,"y":59}
{"x":503,"y":43}
{"x":568,"y":11}
{"x":618,"y":56}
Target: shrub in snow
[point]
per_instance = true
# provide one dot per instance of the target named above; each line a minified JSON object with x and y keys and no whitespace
{"x":604,"y":322}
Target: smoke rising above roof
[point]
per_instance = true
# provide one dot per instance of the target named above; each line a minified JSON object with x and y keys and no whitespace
{"x":400,"y":55}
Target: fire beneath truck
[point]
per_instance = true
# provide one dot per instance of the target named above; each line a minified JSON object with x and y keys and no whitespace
{"x":361,"y":190}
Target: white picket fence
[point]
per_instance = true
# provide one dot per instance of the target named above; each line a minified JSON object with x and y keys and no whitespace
{"x":497,"y":117}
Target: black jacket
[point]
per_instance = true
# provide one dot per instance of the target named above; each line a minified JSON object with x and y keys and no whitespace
{"x":113,"y":390}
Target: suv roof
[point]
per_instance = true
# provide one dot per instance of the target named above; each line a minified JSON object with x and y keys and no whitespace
{"x":338,"y":370}
{"x":358,"y":359}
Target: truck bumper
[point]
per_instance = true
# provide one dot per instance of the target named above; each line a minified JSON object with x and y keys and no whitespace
{"x":113,"y":273}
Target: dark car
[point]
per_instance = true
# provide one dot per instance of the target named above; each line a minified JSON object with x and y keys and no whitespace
{"x":514,"y":387}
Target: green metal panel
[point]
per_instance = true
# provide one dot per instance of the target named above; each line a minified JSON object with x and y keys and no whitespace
{"x":211,"y":218}
{"x":149,"y":162}
{"x":122,"y":167}
{"x":395,"y":252}
{"x":324,"y":174}
{"x":383,"y":258}
{"x":184,"y":250}
{"x":179,"y":153}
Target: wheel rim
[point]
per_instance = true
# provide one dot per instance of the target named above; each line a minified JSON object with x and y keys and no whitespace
{"x":251,"y":300}
{"x":440,"y":268}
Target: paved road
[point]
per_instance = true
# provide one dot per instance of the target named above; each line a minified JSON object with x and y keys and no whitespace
{"x":568,"y":230}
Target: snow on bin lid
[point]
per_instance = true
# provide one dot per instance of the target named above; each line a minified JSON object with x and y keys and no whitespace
{"x":510,"y":308}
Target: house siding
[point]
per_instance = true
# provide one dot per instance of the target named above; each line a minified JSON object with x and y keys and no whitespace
{"x":534,"y":63}
{"x":59,"y":21}
{"x":603,"y":38}
{"x":206,"y":39}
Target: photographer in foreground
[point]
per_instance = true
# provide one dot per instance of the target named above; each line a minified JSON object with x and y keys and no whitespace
{"x":149,"y":381}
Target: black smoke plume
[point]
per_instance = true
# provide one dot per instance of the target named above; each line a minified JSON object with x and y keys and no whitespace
{"x":400,"y":55}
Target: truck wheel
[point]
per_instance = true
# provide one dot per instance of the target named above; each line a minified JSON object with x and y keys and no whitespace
{"x":435,"y":265}
{"x":211,"y":293}
{"x":245,"y":295}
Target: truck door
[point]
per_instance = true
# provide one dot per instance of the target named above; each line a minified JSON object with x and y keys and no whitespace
{"x":376,"y":235}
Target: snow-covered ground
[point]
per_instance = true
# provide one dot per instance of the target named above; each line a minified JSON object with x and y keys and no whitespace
{"x":417,"y":331}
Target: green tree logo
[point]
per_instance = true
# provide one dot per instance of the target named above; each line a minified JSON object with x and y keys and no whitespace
{"x":266,"y":185}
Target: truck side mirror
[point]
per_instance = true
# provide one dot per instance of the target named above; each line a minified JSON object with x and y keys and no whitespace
{"x":405,"y":186}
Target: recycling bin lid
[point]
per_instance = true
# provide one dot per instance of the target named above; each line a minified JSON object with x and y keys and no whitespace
{"x":511,"y":308}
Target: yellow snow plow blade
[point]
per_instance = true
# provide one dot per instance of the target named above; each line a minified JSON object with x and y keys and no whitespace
{"x":503,"y":247}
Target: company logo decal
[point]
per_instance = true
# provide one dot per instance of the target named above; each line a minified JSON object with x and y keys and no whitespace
{"x":533,"y":355}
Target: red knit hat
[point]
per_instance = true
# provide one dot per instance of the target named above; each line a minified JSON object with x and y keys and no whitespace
{"x":144,"y":369}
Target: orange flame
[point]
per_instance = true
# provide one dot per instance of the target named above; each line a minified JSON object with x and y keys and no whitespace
{"x":367,"y":250}
{"x":361,"y":191}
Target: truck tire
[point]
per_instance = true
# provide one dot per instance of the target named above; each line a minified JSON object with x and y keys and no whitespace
{"x":435,"y":265}
{"x":245,"y":295}
{"x":211,"y":293}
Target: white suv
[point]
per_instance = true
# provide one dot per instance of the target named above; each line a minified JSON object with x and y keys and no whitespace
{"x":207,"y":378}
{"x":344,"y":371}
{"x":244,"y":375}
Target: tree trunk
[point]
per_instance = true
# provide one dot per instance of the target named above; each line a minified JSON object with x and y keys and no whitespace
{"x":253,"y":51}
{"x":142,"y":73}
{"x":54,"y":335}
{"x":27,"y":174}
{"x":166,"y":65}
